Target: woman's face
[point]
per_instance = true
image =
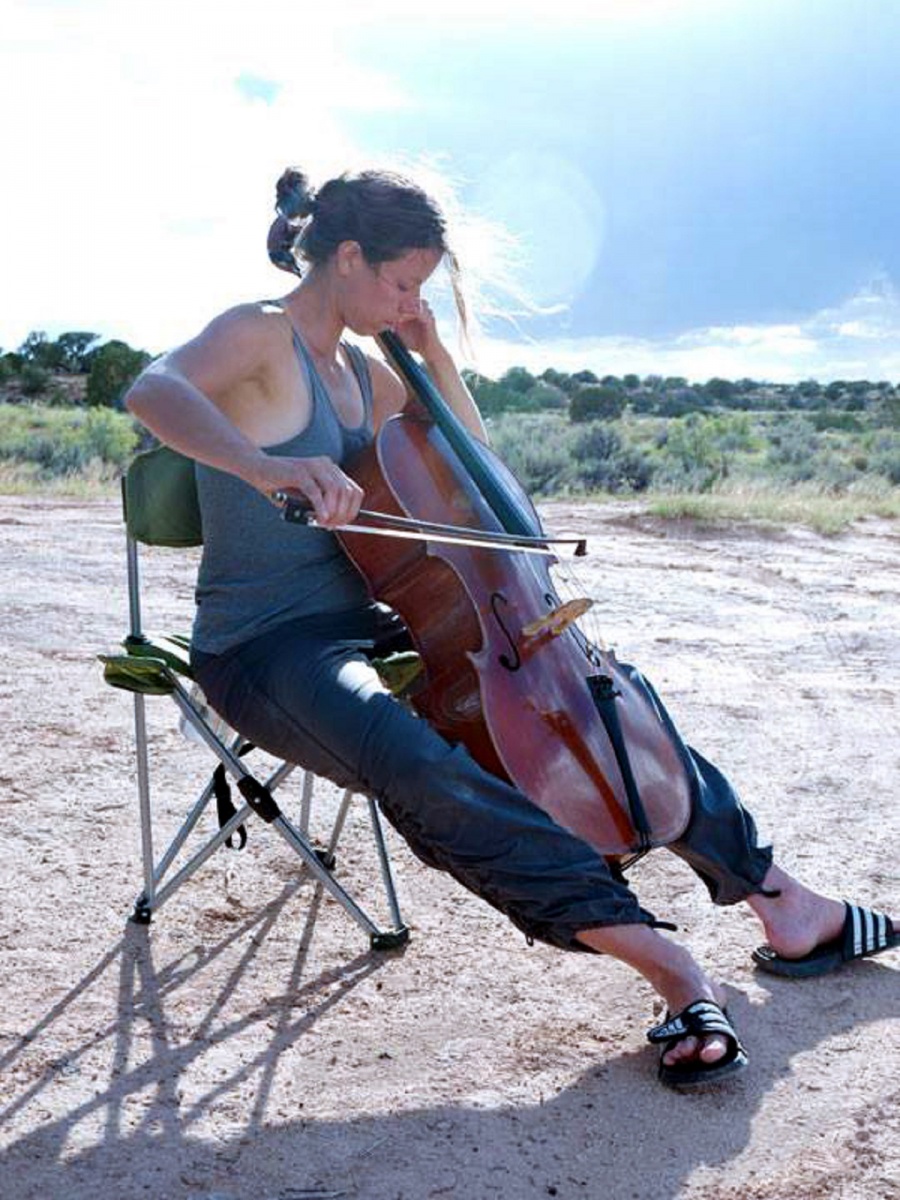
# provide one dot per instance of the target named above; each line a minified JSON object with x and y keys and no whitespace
{"x":380,"y":297}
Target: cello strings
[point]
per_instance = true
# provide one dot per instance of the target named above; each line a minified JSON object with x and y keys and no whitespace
{"x":570,"y":583}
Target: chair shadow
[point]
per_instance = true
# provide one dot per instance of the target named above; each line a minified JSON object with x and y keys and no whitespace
{"x":612,"y":1125}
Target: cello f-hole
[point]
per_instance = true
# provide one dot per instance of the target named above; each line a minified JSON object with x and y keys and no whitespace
{"x":510,"y":663}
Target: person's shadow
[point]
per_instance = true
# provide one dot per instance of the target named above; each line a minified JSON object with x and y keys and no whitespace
{"x":613,"y":1132}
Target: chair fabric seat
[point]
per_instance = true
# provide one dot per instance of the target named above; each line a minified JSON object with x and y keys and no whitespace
{"x":149,"y":661}
{"x":148,"y":664}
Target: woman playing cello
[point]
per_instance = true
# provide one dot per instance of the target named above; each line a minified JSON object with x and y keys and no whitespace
{"x":269,"y":399}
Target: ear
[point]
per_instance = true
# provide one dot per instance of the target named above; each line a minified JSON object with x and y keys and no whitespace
{"x":348,"y":257}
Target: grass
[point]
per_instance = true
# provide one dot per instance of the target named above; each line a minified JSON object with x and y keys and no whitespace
{"x":63,"y":451}
{"x":768,"y":503}
{"x":760,"y":503}
{"x":98,"y":481}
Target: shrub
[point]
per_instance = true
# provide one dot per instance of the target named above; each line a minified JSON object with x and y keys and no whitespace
{"x":109,"y":436}
{"x":885,"y":457}
{"x":34,"y":379}
{"x":607,"y":464}
{"x":64,"y":440}
{"x":537,"y":449}
{"x":692,"y":457}
{"x":596,"y":402}
{"x":114,"y":366}
{"x":793,"y":448}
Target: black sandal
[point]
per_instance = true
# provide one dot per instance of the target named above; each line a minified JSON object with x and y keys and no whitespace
{"x":703,"y":1018}
{"x":864,"y":933}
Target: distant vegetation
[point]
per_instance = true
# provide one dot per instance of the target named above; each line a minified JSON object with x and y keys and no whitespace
{"x":60,"y":410}
{"x":570,"y":434}
{"x":562,"y":434}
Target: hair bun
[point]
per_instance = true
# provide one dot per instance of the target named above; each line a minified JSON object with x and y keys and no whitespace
{"x":294,"y":198}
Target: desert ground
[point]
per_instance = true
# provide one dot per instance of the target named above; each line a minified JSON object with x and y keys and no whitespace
{"x":248,"y":1045}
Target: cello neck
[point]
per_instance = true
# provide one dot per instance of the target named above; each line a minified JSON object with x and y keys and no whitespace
{"x":513,"y":517}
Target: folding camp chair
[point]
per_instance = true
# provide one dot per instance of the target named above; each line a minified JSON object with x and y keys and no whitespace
{"x":161,"y":509}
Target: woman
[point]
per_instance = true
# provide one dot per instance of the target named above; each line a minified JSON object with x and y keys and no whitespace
{"x":269,"y":398}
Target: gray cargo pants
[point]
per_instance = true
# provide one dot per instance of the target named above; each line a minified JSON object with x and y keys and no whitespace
{"x":307,"y":693}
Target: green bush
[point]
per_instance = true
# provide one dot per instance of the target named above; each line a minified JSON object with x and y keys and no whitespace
{"x":538,"y":450}
{"x":62,"y":441}
{"x":596,"y":402}
{"x":793,"y":448}
{"x":34,"y":379}
{"x":109,"y":436}
{"x":692,"y":457}
{"x":884,"y":458}
{"x":606,"y":463}
{"x":113,"y":367}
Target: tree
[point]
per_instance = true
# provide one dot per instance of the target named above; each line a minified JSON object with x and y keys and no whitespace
{"x":73,"y":350}
{"x":34,"y":379}
{"x":546,"y":395}
{"x":585,"y":377}
{"x":491,"y":398}
{"x":720,"y":389}
{"x":555,"y":378}
{"x":36,"y":349}
{"x":113,"y":367}
{"x":517,"y":379}
{"x":593,"y":403}
{"x":67,"y":353}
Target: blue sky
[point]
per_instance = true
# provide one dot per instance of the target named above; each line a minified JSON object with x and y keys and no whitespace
{"x":696,"y":187}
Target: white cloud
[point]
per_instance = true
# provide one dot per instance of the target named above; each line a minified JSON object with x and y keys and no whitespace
{"x":857,"y":339}
{"x":143,"y":173}
{"x":139,"y":178}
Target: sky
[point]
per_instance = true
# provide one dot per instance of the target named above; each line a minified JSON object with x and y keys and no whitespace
{"x":676,"y":187}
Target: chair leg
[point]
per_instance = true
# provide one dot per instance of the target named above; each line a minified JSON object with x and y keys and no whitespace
{"x":378,"y":938}
{"x":259,"y":801}
{"x":145,"y":903}
{"x":387,"y":873}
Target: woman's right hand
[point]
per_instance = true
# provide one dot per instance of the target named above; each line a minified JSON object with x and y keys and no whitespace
{"x":335,"y":497}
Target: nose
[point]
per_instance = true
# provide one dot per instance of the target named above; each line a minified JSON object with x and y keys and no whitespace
{"x":411,"y":304}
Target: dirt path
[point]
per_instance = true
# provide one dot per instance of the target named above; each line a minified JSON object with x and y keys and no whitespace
{"x":248,"y":1046}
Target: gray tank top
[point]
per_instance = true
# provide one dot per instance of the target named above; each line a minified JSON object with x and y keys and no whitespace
{"x":257,"y":570}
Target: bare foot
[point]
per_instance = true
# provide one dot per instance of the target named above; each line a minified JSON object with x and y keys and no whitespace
{"x":675,"y":975}
{"x":708,"y":1049}
{"x":797,"y":920}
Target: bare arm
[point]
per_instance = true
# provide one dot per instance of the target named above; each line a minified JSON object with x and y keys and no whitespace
{"x":208,"y":399}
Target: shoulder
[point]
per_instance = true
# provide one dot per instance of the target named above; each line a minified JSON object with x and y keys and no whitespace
{"x":237,"y":350}
{"x":244,"y":325}
{"x":241,"y":339}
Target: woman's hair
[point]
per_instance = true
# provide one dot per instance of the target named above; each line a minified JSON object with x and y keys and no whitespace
{"x":386,"y":214}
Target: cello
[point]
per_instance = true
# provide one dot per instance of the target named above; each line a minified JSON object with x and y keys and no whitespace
{"x":507,"y":671}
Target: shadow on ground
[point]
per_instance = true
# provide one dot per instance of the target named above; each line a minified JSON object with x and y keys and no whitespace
{"x":611,"y":1131}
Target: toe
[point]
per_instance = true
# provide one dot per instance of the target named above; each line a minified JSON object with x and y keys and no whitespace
{"x":713,"y":1049}
{"x":706,"y":1050}
{"x":681,"y":1051}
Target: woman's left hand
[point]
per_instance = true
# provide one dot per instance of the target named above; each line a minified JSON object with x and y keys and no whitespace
{"x":419,"y":331}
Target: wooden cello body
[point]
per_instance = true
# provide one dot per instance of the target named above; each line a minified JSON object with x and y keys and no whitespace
{"x":534,"y":703}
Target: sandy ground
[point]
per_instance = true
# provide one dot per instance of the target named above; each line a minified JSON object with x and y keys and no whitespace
{"x":248,"y":1044}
